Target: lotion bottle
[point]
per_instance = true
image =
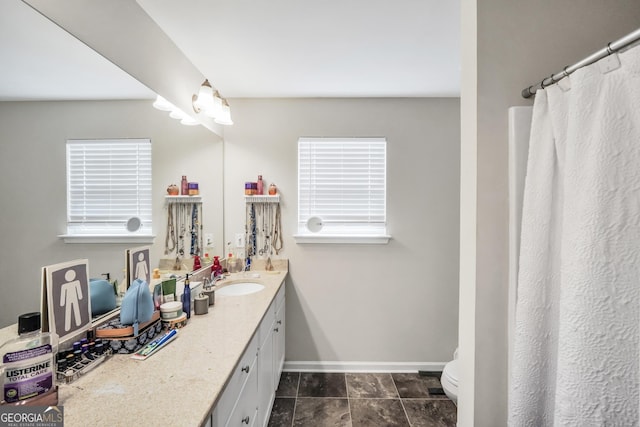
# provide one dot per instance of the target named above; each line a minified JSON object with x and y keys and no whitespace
{"x":28,"y":366}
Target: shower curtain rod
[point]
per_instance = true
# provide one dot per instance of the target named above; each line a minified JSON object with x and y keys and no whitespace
{"x":596,"y":56}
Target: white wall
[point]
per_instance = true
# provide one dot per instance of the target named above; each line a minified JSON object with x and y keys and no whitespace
{"x":517,"y":43}
{"x":390,"y":303}
{"x":33,"y":169}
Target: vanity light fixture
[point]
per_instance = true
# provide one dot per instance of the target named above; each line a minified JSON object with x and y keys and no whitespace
{"x":184,"y":118}
{"x":209,"y":102}
{"x":225,"y":116}
{"x":174,"y":112}
{"x":162,"y":104}
{"x":177,"y":114}
{"x":189,"y":121}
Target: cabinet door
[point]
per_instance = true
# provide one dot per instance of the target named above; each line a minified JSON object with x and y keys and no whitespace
{"x":245,"y":411}
{"x":234,"y":387}
{"x":278,"y":343}
{"x":266,"y":388}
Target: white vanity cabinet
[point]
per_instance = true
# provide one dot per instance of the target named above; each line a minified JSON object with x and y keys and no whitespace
{"x":278,"y":338}
{"x":270,"y":353}
{"x":239,"y":399}
{"x":248,"y":397}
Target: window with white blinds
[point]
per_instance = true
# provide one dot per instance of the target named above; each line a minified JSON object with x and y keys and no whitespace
{"x":342,"y":186}
{"x":108,"y":182}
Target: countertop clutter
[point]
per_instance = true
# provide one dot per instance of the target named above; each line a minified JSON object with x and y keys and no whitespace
{"x":181,"y":384}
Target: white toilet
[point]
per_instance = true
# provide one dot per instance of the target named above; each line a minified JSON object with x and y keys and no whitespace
{"x":449,"y":379}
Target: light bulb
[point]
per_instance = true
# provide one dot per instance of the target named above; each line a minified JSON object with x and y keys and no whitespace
{"x":162,"y":104}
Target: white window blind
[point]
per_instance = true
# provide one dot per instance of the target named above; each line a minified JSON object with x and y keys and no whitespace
{"x":108,"y":182}
{"x":343,"y":182}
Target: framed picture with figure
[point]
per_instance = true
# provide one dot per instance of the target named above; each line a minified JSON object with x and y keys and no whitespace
{"x":138,"y":264}
{"x":65,"y":298}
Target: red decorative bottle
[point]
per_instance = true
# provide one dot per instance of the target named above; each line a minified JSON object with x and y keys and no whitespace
{"x":216,"y":269}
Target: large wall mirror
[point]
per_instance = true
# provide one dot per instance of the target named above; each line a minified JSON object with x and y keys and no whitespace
{"x":54,"y":88}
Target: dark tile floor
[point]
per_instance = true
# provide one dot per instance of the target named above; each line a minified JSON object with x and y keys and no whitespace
{"x":360,"y":400}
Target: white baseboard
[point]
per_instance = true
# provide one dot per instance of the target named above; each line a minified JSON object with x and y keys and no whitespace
{"x":395,"y":367}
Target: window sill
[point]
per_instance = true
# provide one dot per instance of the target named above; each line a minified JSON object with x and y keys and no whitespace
{"x":368,"y":239}
{"x":106,"y":238}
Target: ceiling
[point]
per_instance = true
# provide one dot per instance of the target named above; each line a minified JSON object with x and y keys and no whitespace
{"x":40,"y":61}
{"x":280,"y":48}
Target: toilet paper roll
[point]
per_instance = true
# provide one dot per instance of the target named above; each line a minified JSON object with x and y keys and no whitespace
{"x":201,"y":304}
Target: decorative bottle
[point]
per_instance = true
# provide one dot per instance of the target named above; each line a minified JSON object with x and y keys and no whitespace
{"x":260,"y":191}
{"x":186,"y":298}
{"x":184,"y":186}
{"x":33,"y":353}
{"x":217,"y":268}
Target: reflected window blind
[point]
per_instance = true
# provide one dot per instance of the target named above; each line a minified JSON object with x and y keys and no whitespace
{"x":342,"y":181}
{"x":108,"y":182}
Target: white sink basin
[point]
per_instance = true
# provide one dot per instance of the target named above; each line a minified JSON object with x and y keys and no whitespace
{"x":240,"y":288}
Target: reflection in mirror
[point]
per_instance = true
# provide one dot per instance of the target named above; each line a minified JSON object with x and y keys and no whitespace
{"x":43,"y":62}
{"x":54,"y":88}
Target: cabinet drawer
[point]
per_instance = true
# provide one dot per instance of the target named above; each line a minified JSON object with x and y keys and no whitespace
{"x":238,"y":380}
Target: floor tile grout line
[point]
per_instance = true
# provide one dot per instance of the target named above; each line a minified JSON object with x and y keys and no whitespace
{"x":350,"y":399}
{"x":401,"y":402}
{"x":295,"y":402}
{"x":346,"y":386}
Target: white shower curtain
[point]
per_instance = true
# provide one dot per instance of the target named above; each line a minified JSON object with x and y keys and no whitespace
{"x":576,"y":352}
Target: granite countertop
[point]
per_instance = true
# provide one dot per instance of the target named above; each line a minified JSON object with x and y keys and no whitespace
{"x":180,"y":384}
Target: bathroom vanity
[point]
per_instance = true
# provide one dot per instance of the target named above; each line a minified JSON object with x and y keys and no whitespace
{"x":222,"y":369}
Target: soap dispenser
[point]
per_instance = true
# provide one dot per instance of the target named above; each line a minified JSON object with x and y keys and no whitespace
{"x":186,"y":298}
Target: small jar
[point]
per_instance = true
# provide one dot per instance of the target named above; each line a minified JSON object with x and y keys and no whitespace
{"x":173,"y":190}
{"x":273,"y":190}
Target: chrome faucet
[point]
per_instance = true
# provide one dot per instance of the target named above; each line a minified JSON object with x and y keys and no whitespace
{"x":215,"y":278}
